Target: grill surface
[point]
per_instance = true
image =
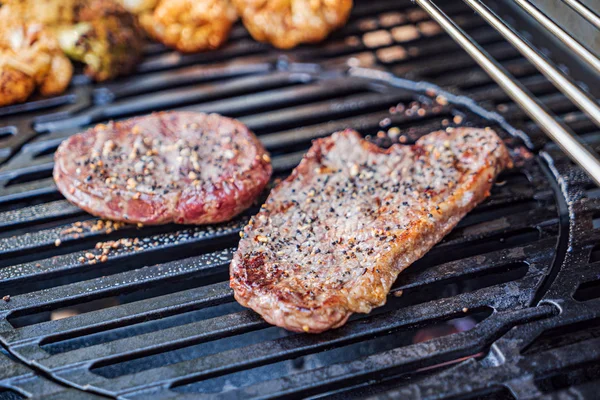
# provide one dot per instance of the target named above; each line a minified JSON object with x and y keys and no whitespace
{"x":515,"y":280}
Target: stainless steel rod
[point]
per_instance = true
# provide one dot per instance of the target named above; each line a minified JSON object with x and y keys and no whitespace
{"x":563,"y":36}
{"x":585,"y":12}
{"x":582,"y":100}
{"x":561,"y":134}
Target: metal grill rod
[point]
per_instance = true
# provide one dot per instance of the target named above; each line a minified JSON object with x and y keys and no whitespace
{"x":563,"y":36}
{"x":560,"y":133}
{"x":562,"y":82}
{"x":585,"y":12}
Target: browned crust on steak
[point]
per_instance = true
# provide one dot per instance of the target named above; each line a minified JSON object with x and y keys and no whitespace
{"x":332,"y":238}
{"x":187,"y":168}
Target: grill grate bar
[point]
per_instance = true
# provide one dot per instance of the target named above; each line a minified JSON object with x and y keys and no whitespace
{"x":292,"y":346}
{"x":195,"y":74}
{"x":585,"y":12}
{"x":19,"y":275}
{"x":467,"y":232}
{"x":18,"y":382}
{"x":141,"y":338}
{"x":561,"y":134}
{"x":434,"y":271}
{"x":389,"y":362}
{"x":47,"y":211}
{"x":17,"y":278}
{"x":237,"y":50}
{"x":562,"y":35}
{"x":171,"y":98}
{"x":561,"y":80}
{"x":206,"y":264}
{"x":117,"y":317}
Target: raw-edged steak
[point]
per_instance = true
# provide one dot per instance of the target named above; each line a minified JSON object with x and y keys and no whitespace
{"x":332,"y":238}
{"x":182,"y":167}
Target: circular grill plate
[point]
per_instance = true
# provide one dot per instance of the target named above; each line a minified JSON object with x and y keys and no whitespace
{"x":158,"y":317}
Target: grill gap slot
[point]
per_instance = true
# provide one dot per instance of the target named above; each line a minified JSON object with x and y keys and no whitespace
{"x":169,"y":98}
{"x":398,"y":338}
{"x":587,"y":291}
{"x":48,"y":222}
{"x":8,"y":394}
{"x":416,"y":293}
{"x":564,"y":336}
{"x":47,"y":151}
{"x":452,"y":252}
{"x":123,"y":295}
{"x":499,"y":49}
{"x":28,"y":200}
{"x":596,"y":222}
{"x":351,"y":103}
{"x":373,"y":388}
{"x":115,"y":265}
{"x":7,"y":131}
{"x":30,"y":177}
{"x":575,"y":375}
{"x":112,"y":369}
{"x":484,"y":214}
{"x":55,"y":346}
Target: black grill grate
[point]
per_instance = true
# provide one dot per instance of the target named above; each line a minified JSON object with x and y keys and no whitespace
{"x":160,"y":320}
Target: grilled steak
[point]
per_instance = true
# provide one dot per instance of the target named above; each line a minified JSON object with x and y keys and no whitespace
{"x":182,"y":167}
{"x":332,"y":238}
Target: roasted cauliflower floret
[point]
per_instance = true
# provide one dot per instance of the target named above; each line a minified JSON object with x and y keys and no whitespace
{"x":190,"y":25}
{"x":30,"y":58}
{"x":287,"y":23}
{"x":99,"y":33}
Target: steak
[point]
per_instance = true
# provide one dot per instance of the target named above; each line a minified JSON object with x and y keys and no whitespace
{"x":332,"y":238}
{"x":182,"y":167}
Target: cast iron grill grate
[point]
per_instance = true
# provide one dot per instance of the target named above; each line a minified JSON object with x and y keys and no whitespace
{"x":162,"y":318}
{"x":160,"y":321}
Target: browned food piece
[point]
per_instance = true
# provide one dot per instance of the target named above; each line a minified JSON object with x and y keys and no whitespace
{"x":190,"y":25}
{"x":182,"y":167}
{"x":30,"y":59}
{"x":332,"y":238}
{"x":99,"y":33}
{"x":286,"y":24}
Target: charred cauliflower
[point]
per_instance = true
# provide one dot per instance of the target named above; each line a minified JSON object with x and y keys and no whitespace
{"x":287,"y":23}
{"x":30,"y":59}
{"x":190,"y":25}
{"x":99,"y":33}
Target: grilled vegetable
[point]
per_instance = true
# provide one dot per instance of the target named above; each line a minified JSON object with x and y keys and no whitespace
{"x":106,"y":39}
{"x":30,"y":58}
{"x":190,"y":25}
{"x":287,"y":23}
{"x":99,"y":33}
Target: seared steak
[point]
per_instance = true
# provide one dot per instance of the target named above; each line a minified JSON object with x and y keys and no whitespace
{"x":332,"y":238}
{"x":182,"y":167}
